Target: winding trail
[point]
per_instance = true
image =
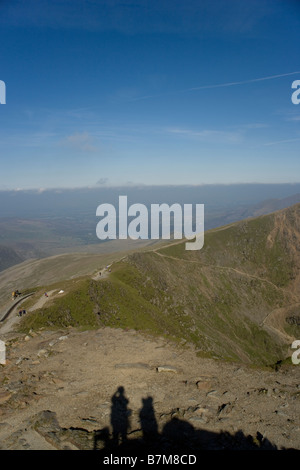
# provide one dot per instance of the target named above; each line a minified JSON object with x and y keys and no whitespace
{"x":13,"y":306}
{"x":294,"y":298}
{"x":225,"y":268}
{"x":8,"y":320}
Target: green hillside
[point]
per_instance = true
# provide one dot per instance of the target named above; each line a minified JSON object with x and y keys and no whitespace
{"x":223,"y":299}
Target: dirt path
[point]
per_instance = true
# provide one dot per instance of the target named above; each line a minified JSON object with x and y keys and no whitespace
{"x":10,"y":322}
{"x":226,"y":268}
{"x":43,"y":300}
{"x":13,"y":319}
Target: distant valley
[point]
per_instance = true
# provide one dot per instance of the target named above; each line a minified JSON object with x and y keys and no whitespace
{"x":42,"y":236}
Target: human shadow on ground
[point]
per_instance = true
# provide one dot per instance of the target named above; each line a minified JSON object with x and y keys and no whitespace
{"x":119,"y":417}
{"x":177,"y":436}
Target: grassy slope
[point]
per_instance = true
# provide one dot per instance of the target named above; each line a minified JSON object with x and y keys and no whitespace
{"x":216,"y":298}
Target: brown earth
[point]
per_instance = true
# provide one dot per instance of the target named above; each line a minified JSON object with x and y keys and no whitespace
{"x":57,"y":390}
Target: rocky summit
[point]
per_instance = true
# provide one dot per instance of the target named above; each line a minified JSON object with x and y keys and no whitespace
{"x":115,"y":390}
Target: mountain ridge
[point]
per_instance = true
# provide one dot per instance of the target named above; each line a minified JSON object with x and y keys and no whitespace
{"x":230,"y":299}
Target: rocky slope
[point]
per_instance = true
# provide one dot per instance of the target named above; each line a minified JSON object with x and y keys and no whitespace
{"x":86,"y":390}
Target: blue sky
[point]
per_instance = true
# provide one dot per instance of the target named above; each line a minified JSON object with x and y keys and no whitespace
{"x":103,"y":92}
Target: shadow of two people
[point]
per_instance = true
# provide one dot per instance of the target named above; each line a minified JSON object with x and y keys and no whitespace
{"x":177,"y":435}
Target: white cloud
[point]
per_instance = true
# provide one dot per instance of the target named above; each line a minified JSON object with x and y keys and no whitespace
{"x":80,"y":141}
{"x":208,"y":135}
{"x":102,"y":181}
{"x":294,"y":118}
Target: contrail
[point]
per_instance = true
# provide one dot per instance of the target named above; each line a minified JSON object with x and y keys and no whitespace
{"x":220,"y":85}
{"x":282,"y":141}
{"x":270,"y":77}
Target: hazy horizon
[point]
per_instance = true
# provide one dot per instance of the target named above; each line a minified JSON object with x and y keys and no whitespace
{"x":77,"y":201}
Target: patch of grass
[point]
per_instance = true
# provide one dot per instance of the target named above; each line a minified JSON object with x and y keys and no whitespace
{"x":74,"y":308}
{"x":292,"y":330}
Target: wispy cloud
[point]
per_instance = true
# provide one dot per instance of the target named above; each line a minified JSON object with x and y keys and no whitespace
{"x":34,"y":139}
{"x":208,"y":135}
{"x":218,"y":85}
{"x":286,"y":141}
{"x":294,"y":118}
{"x":256,"y":125}
{"x":80,"y":141}
{"x":243,"y":82}
{"x":102,"y":181}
